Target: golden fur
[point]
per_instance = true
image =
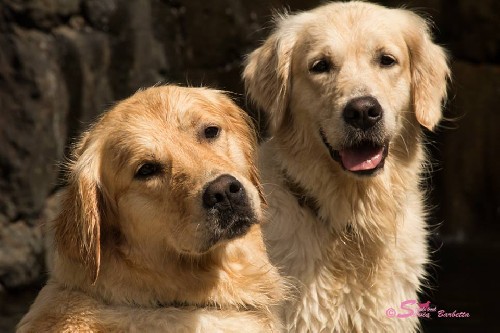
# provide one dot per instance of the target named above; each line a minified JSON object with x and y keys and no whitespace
{"x":137,"y":253}
{"x":355,"y":243}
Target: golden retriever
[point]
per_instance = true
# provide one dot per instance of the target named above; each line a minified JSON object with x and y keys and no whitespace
{"x":346,"y":88}
{"x":159,"y":229}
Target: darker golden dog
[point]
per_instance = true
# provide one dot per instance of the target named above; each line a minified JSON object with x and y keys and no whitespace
{"x":160,"y":225}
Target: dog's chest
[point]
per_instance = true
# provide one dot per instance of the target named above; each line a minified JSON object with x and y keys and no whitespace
{"x":344,"y":283}
{"x":337,"y":290}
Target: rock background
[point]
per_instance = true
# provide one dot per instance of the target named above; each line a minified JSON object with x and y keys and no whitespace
{"x":62,"y":62}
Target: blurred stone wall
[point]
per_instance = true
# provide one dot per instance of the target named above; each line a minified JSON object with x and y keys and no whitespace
{"x":62,"y":62}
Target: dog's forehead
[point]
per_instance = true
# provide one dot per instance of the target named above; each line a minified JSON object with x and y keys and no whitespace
{"x":168,"y":107}
{"x":345,"y":25}
{"x":153,"y":117}
{"x":192,"y":107}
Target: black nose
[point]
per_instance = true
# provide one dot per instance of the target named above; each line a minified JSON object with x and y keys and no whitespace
{"x":362,"y":112}
{"x":224,"y":193}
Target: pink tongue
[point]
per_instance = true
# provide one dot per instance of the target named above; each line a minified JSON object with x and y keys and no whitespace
{"x":363,"y":158}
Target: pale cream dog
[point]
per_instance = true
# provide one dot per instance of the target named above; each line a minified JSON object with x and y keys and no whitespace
{"x":346,"y":87}
{"x":159,"y":230}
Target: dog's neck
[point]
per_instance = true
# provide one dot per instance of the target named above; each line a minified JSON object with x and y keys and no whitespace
{"x":236,"y":275}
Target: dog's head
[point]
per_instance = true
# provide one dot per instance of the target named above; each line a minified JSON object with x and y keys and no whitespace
{"x":168,"y":169}
{"x":353,"y":74}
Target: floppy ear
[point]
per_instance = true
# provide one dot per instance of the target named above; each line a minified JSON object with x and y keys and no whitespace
{"x":267,"y":74}
{"x":429,"y":72}
{"x":77,"y":228}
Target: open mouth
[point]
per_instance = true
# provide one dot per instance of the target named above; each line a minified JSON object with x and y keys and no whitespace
{"x":363,"y":158}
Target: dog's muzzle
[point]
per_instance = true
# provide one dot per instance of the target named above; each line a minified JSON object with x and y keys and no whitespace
{"x":366,"y":151}
{"x":228,"y":207}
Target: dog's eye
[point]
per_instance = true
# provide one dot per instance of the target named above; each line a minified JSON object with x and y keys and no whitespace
{"x":387,"y":60}
{"x":211,"y":132}
{"x":148,"y":170}
{"x":320,"y":66}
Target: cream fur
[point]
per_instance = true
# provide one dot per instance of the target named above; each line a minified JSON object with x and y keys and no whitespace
{"x":364,"y":249}
{"x":136,"y":254}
